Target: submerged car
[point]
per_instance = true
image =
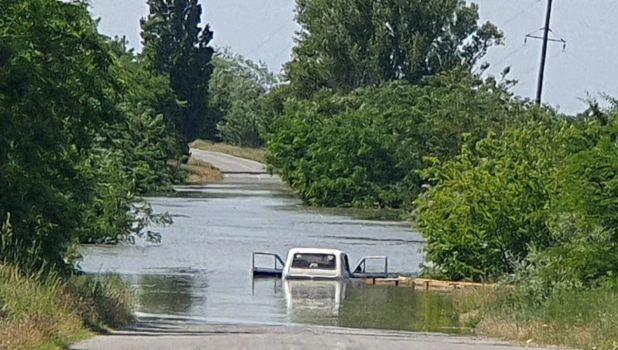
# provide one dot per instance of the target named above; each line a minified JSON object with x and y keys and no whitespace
{"x":317,"y":264}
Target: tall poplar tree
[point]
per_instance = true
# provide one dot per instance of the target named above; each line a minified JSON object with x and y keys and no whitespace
{"x":177,"y":46}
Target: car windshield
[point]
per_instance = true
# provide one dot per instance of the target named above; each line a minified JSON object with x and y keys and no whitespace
{"x":314,"y":261}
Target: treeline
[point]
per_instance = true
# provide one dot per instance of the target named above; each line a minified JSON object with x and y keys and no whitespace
{"x":366,"y":103}
{"x":537,"y":200}
{"x":386,"y":107}
{"x":365,"y":148}
{"x":88,"y":127}
{"x":82,"y":134}
{"x":238,"y":88}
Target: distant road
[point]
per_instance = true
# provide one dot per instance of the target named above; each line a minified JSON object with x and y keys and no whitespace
{"x":234,"y":337}
{"x":235,"y":168}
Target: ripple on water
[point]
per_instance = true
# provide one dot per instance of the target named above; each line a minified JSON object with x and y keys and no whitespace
{"x":201,"y":269}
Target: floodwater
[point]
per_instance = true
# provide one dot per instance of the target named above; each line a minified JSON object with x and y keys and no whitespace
{"x":201,"y":271}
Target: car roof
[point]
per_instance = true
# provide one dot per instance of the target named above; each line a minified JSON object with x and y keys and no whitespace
{"x":315,"y":251}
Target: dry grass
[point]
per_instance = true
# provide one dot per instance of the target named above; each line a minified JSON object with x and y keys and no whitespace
{"x":51,"y":313}
{"x":539,"y":334}
{"x":576,"y":319}
{"x":256,"y":154}
{"x":199,"y":172}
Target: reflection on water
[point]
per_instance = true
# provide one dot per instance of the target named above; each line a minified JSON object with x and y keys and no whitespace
{"x":201,"y":269}
{"x":356,"y":305}
{"x":327,"y":303}
{"x":169,"y":294}
{"x":399,"y":308}
{"x":311,"y":301}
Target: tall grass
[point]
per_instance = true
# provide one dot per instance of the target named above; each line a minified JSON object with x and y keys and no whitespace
{"x":49,"y":312}
{"x":575,"y":318}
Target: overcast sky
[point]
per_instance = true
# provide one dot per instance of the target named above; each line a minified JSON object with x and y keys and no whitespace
{"x":264,"y":30}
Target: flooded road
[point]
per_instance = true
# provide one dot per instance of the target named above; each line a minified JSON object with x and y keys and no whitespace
{"x":201,"y":270}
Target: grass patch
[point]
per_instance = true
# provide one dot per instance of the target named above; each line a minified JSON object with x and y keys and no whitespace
{"x":256,"y":154}
{"x":199,"y":171}
{"x":577,"y":318}
{"x":38,"y":312}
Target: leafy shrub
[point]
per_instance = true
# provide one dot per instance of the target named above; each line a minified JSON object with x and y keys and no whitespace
{"x":489,"y":205}
{"x":539,"y":201}
{"x":583,"y":226}
{"x":583,"y":256}
{"x":83,"y":130}
{"x":364,"y":149}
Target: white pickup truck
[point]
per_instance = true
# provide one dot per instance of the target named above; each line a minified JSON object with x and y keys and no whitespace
{"x":317,"y":264}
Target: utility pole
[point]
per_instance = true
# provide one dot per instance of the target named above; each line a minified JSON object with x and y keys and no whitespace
{"x":539,"y":89}
{"x":546,"y":39}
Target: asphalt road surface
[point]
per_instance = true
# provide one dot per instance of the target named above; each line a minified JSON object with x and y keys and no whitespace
{"x":157,"y":336}
{"x":235,"y":168}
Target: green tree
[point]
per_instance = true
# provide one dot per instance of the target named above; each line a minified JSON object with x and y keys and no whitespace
{"x":176,"y":46}
{"x":142,"y":87}
{"x":144,"y":136}
{"x":489,"y":205}
{"x":79,"y":135}
{"x":584,"y":224}
{"x":55,"y":91}
{"x":347,"y":44}
{"x":589,"y":179}
{"x":365,"y":148}
{"x":538,"y":201}
{"x":236,"y":89}
{"x":129,"y":157}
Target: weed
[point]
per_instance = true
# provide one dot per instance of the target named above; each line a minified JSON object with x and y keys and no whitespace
{"x":47,"y":311}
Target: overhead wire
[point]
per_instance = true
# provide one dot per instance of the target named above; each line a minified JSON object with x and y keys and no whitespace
{"x":520,"y":13}
{"x":537,"y":68}
{"x":514,"y":52}
{"x":268,"y":38}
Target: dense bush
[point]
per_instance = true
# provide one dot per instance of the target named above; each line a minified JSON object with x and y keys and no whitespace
{"x":81,"y":134}
{"x":489,"y":204}
{"x":538,"y":201}
{"x":583,"y":223}
{"x":365,"y":148}
{"x":54,"y":92}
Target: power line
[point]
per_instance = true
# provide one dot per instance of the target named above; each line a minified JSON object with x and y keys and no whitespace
{"x":551,"y":58}
{"x":269,"y":37}
{"x":517,"y":15}
{"x":510,"y":55}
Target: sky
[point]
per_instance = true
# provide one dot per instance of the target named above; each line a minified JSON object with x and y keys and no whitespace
{"x":264,"y":30}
